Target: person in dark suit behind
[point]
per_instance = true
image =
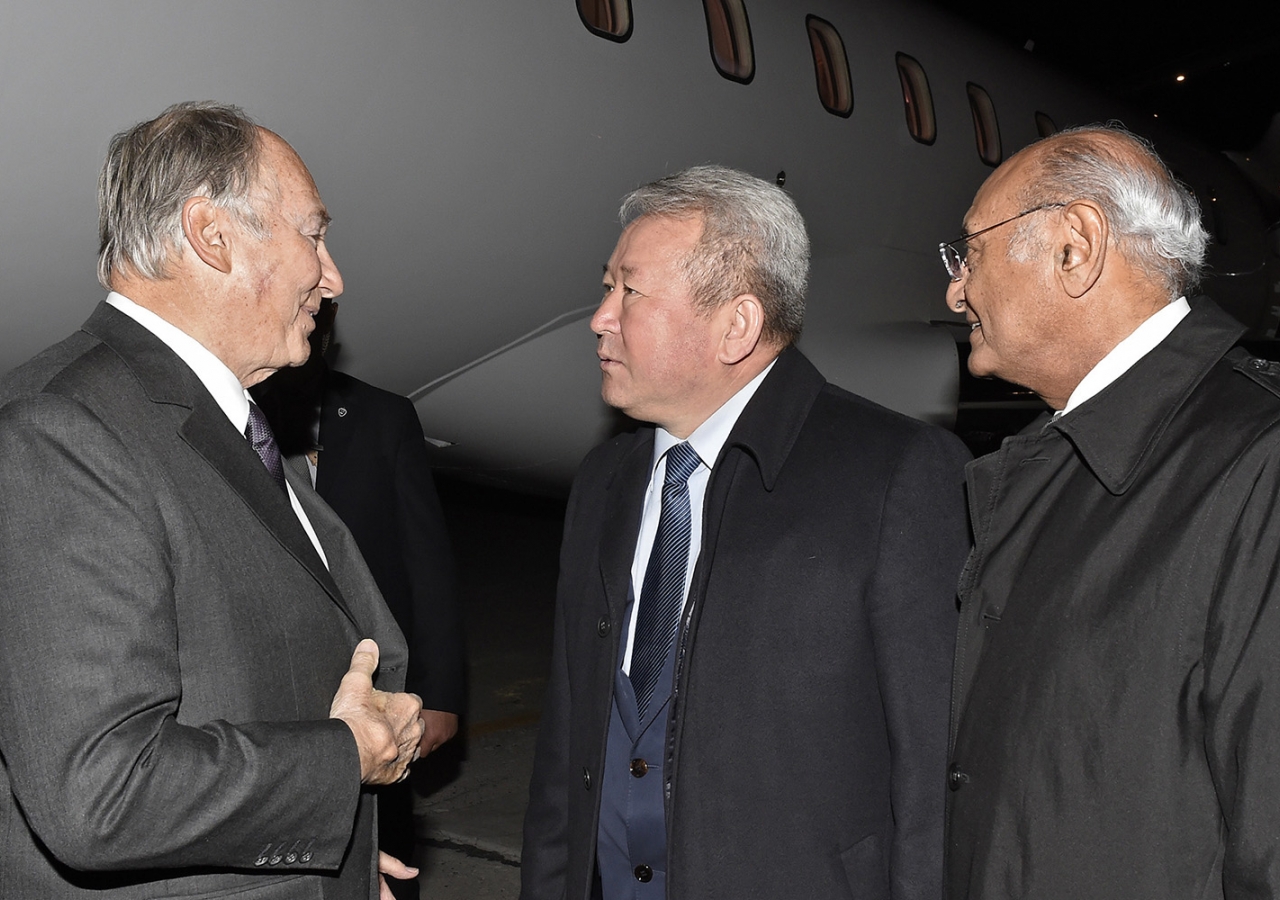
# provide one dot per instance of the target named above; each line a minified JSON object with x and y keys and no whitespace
{"x":187,"y":706}
{"x":756,"y":607}
{"x":365,"y":452}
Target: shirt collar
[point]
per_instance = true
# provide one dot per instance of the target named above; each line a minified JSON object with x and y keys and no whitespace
{"x":218,"y":380}
{"x":1154,"y":329}
{"x":709,"y":437}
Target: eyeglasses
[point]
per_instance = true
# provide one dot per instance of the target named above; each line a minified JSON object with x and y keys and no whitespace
{"x":955,"y":252}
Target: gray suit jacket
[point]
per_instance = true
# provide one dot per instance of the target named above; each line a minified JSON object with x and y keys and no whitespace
{"x":170,"y":644}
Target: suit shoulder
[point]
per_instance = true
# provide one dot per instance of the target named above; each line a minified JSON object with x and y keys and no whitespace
{"x":73,"y":367}
{"x":386,"y":409}
{"x":1263,"y":372}
{"x":351,"y":387}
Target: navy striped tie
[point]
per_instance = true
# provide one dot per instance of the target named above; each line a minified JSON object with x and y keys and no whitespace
{"x":663,"y":589}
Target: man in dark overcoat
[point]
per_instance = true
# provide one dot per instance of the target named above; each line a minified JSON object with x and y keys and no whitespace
{"x":1118,"y":695}
{"x":756,"y":604}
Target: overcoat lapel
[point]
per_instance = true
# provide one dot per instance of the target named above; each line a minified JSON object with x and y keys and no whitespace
{"x":623,"y":507}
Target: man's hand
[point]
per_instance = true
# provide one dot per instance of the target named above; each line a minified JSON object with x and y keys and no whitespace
{"x":386,"y":726}
{"x":390,"y":867}
{"x":437,"y":727}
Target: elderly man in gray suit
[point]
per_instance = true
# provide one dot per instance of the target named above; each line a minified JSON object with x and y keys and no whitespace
{"x":187,"y":693}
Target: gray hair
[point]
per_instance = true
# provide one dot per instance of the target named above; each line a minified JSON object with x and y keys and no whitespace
{"x":1154,"y":218}
{"x":753,"y":241}
{"x":189,"y":150}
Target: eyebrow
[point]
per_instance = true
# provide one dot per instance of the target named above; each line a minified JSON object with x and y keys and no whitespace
{"x":319,"y":219}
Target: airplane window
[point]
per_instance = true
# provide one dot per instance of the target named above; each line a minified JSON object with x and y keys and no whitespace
{"x":831,"y":66}
{"x":986,"y":130}
{"x":1045,"y":125}
{"x":730,"y":35}
{"x":917,"y":99}
{"x":608,"y":18}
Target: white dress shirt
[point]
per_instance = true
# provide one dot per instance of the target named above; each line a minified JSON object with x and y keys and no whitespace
{"x":707,"y":441}
{"x":220,"y":381}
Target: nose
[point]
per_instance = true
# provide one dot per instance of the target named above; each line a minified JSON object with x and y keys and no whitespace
{"x":955,"y":292}
{"x":330,"y":277}
{"x":605,"y":318}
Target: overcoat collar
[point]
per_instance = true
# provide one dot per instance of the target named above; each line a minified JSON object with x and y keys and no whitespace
{"x":1116,"y":431}
{"x":766,"y":430}
{"x":169,"y":381}
{"x":771,"y":422}
{"x":624,"y":504}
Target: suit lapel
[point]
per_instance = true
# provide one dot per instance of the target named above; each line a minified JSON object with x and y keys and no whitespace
{"x":339,"y":417}
{"x":208,"y":432}
{"x":170,"y":382}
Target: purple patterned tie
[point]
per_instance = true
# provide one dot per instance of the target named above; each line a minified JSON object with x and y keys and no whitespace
{"x":264,"y":442}
{"x":662,"y":594}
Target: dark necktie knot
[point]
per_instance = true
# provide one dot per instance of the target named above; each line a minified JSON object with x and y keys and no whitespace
{"x":682,"y":460}
{"x":258,"y":431}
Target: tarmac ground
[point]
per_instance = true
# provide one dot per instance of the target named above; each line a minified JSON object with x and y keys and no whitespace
{"x":470,"y":795}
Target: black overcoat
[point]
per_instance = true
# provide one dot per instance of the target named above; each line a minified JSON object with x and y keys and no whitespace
{"x":1118,"y":668}
{"x":808,"y":728}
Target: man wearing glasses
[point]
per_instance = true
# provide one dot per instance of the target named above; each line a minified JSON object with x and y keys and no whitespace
{"x":1117,"y":721}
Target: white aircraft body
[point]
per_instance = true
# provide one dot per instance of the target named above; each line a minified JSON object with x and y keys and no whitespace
{"x":473,"y":155}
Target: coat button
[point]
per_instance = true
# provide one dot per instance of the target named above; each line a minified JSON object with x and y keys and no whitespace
{"x":644,"y":874}
{"x":586,"y":779}
{"x":639,"y":768}
{"x":956,"y":778}
{"x":603,"y":627}
{"x":1258,"y":363}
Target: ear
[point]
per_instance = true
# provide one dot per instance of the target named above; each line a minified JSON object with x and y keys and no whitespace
{"x":1081,"y":252}
{"x":743,"y":318}
{"x":205,"y":228}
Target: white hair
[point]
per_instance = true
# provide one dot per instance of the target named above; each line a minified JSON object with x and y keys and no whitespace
{"x":1155,"y":220}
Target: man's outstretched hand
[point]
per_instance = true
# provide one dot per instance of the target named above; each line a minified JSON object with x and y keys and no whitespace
{"x":387,"y":727}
